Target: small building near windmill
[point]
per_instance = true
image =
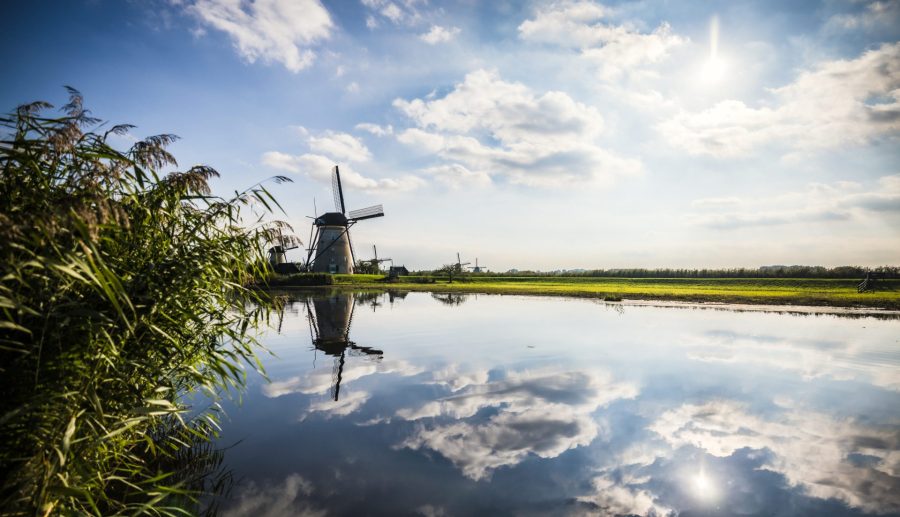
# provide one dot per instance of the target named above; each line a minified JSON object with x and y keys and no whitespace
{"x":396,"y":271}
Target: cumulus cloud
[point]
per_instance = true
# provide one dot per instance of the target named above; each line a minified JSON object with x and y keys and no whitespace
{"x":282,"y":31}
{"x":810,"y":449}
{"x":841,"y":102}
{"x":616,"y":49}
{"x":399,"y":12}
{"x":340,"y":146}
{"x":881,"y":13}
{"x":494,"y":127}
{"x":330,"y":148}
{"x":456,"y":176}
{"x":375,"y":129}
{"x":439,"y":34}
{"x":818,"y":203}
{"x":536,"y":413}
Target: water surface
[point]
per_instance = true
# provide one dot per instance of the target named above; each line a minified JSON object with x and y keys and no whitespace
{"x":421,"y":404}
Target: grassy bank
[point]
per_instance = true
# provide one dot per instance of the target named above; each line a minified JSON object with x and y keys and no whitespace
{"x":778,"y":291}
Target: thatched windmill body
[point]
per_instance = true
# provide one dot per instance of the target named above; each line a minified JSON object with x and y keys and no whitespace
{"x":332,"y":251}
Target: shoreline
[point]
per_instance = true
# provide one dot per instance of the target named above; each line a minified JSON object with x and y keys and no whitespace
{"x":799,"y":304}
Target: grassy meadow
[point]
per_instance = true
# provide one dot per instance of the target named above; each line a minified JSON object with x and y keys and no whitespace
{"x":778,"y":291}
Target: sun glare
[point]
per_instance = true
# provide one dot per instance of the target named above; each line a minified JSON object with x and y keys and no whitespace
{"x":703,"y":486}
{"x":715,"y":67}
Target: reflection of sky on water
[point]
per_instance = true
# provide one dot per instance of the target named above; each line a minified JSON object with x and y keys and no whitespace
{"x":514,"y":405}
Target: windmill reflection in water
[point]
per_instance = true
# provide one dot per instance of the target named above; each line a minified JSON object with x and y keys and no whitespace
{"x":329,"y":328}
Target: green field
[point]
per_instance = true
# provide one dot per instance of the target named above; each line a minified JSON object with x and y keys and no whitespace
{"x":778,"y":291}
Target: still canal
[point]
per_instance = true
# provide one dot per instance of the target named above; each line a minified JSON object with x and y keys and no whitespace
{"x":428,"y":404}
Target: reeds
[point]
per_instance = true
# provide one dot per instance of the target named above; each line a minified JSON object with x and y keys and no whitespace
{"x":123,"y":292}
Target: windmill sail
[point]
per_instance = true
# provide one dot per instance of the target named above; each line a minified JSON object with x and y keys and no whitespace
{"x":366,"y":213}
{"x":337,"y":190}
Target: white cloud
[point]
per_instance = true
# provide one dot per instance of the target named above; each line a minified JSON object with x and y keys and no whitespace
{"x":331,"y":148}
{"x":439,"y":34}
{"x":810,"y":449}
{"x":502,"y":128}
{"x":818,"y":203}
{"x":537,"y":413}
{"x":842,"y":102}
{"x":375,"y":129}
{"x":455,"y":176}
{"x":615,"y":49}
{"x":875,"y":14}
{"x":272,"y":30}
{"x":398,"y":13}
{"x":340,"y":146}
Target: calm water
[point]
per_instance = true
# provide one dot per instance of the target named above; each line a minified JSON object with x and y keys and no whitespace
{"x":498,"y":405}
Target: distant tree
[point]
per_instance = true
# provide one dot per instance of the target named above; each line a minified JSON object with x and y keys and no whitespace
{"x":367,"y":267}
{"x":449,"y":270}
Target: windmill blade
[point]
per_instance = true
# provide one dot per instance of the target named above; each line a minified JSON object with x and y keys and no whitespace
{"x":366,"y":213}
{"x":375,"y":250}
{"x":337,"y":190}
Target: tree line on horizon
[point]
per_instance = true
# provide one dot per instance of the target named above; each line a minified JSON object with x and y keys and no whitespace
{"x":795,"y":271}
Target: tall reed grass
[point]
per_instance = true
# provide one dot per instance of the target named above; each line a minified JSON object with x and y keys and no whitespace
{"x":123,"y":293}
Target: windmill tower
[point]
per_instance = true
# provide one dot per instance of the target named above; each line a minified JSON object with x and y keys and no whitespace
{"x":476,"y":268}
{"x":332,"y":251}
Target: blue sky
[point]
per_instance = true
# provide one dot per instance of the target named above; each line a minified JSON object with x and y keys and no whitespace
{"x":529,"y":134}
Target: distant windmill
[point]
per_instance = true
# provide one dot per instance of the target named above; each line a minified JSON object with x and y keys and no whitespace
{"x":281,"y":244}
{"x":459,"y":264}
{"x":333,"y":251}
{"x":376,"y":262}
{"x":476,"y":268}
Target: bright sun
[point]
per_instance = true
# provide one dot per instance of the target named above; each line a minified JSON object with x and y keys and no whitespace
{"x":713,"y":69}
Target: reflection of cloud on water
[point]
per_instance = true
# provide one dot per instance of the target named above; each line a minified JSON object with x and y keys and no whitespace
{"x":274,"y":500}
{"x":829,"y":458}
{"x":538,"y":413}
{"x":343,"y":407}
{"x":320,"y":380}
{"x":455,"y":378}
{"x":838,"y":360}
{"x":616,"y":497}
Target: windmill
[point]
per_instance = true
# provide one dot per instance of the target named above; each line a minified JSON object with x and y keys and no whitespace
{"x":281,"y":244}
{"x":459,"y":265}
{"x":332,"y":251}
{"x":376,"y":262}
{"x":329,"y":328}
{"x":476,"y":268}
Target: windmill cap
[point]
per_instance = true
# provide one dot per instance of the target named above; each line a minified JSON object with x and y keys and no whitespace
{"x":331,"y":219}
